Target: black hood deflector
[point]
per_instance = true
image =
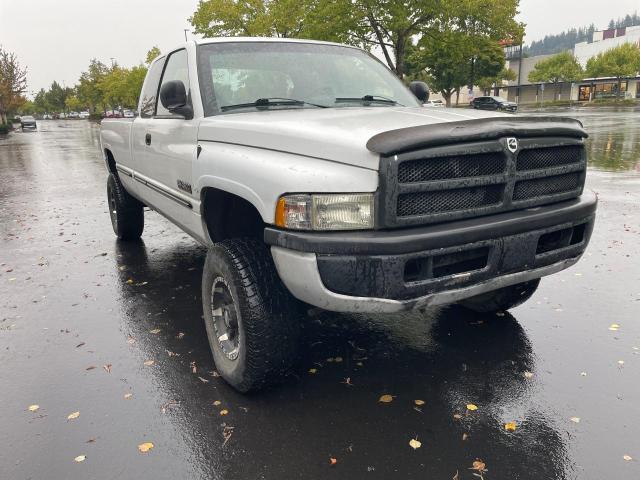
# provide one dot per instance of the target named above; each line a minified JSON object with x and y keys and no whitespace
{"x":423,"y":136}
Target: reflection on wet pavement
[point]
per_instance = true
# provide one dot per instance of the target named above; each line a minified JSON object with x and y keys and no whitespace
{"x":72,"y":298}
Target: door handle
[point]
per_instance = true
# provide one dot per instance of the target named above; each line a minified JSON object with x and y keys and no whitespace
{"x":147,"y":139}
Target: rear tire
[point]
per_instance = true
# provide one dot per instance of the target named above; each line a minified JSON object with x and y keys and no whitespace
{"x":250,"y":317}
{"x":127,"y":214}
{"x":502,"y":299}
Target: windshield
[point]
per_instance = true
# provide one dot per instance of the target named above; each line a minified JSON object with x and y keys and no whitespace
{"x":499,"y":99}
{"x":237,"y":77}
{"x":28,"y":118}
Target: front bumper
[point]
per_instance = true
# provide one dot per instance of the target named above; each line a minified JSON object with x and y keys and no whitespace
{"x":390,"y":271}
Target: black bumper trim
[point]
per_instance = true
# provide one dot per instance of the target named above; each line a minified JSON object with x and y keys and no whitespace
{"x":407,"y":240}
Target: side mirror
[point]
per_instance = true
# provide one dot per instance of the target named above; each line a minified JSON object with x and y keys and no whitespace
{"x":420,"y":90}
{"x":173,"y":97}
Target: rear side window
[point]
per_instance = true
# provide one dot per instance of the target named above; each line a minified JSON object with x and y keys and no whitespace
{"x":176,"y":69}
{"x":150,"y":90}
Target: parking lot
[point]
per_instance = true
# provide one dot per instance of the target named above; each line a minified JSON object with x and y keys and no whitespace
{"x":114,"y":331}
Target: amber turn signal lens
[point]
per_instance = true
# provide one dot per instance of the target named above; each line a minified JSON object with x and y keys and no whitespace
{"x":280,"y":212}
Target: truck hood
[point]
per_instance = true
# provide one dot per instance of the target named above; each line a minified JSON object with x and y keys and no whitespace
{"x":335,"y":134}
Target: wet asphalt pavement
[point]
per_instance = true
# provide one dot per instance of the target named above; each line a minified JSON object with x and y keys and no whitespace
{"x":80,"y":314}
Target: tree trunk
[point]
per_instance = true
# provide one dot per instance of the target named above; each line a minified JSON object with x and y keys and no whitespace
{"x":447,"y":96}
{"x":619,"y":88}
{"x":399,"y":52}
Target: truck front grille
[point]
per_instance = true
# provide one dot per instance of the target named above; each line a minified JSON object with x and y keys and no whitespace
{"x":461,"y":181}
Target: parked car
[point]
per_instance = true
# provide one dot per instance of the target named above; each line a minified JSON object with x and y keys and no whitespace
{"x":27,"y":122}
{"x":73,"y":115}
{"x":494,"y":103}
{"x":46,"y":116}
{"x":433,"y":103}
{"x":83,"y":114}
{"x":335,"y":188}
{"x":128,"y":114}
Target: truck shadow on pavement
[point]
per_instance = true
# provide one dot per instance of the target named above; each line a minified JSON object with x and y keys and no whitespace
{"x":329,"y":407}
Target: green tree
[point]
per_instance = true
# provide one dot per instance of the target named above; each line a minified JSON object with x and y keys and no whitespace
{"x":619,"y":62}
{"x":562,"y":67}
{"x":152,"y":55}
{"x":390,"y":25}
{"x":56,"y":96}
{"x":486,"y":83}
{"x":40,"y":102}
{"x":88,"y":87}
{"x":73,"y":104}
{"x":13,"y":83}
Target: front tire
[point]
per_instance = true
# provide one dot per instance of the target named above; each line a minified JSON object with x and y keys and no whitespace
{"x":249,"y":315}
{"x":127,"y":214}
{"x":503,"y":298}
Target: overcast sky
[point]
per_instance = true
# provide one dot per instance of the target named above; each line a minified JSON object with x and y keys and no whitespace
{"x":56,"y":39}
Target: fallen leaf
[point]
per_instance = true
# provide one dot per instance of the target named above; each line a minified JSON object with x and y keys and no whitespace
{"x":627,"y":458}
{"x":203,"y":380}
{"x":107,"y":368}
{"x":313,"y":370}
{"x":80,"y":458}
{"x":155,"y":331}
{"x":193,"y":367}
{"x":528,"y":375}
{"x":583,"y":374}
{"x":217,"y":402}
{"x":80,"y":345}
{"x":91,"y":440}
{"x":478,"y":465}
{"x":337,"y":359}
{"x":415,"y":443}
{"x":333,"y":461}
{"x":457,"y":416}
{"x":148,"y":363}
{"x":510,"y":426}
{"x":73,"y":415}
{"x":224,"y":412}
{"x":575,"y":419}
{"x":419,"y":402}
{"x":145,"y":447}
{"x":620,"y":362}
{"x":614,"y":327}
{"x":127,"y":396}
{"x":386,"y":398}
{"x":465,"y":435}
{"x":471,"y":407}
{"x":34,"y":408}
{"x":90,"y":367}
{"x":130,"y":281}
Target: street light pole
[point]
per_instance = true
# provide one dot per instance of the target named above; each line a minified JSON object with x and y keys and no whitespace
{"x":185,"y":33}
{"x":519,"y":74}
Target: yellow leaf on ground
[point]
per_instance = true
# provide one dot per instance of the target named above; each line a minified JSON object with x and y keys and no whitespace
{"x":148,"y":363}
{"x":575,"y":419}
{"x":386,"y":398}
{"x":145,"y":447}
{"x":34,"y":408}
{"x":415,"y":444}
{"x":627,"y":458}
{"x":80,"y":458}
{"x":73,"y":415}
{"x":155,"y":330}
{"x":419,"y":402}
{"x":510,"y":426}
{"x":333,"y":461}
{"x":217,"y":402}
{"x":471,"y":407}
{"x":127,"y":396}
{"x":528,"y":375}
{"x":478,"y":465}
{"x":614,"y":327}
{"x":313,"y":370}
{"x":224,"y":412}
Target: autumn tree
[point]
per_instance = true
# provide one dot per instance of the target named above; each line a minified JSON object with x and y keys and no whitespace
{"x":13,"y":83}
{"x":88,"y":87}
{"x":561,"y":67}
{"x":619,"y":62}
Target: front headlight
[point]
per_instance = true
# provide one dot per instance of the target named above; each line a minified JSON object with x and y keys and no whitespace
{"x":342,"y":211}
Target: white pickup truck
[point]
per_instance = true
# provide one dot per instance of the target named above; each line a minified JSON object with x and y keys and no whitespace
{"x":315,"y":177}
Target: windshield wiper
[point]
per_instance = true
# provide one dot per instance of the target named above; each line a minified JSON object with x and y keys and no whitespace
{"x":369,"y":99}
{"x":270,"y":102}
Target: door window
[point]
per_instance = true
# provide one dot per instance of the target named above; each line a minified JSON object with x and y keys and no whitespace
{"x":176,"y":69}
{"x":150,"y":90}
